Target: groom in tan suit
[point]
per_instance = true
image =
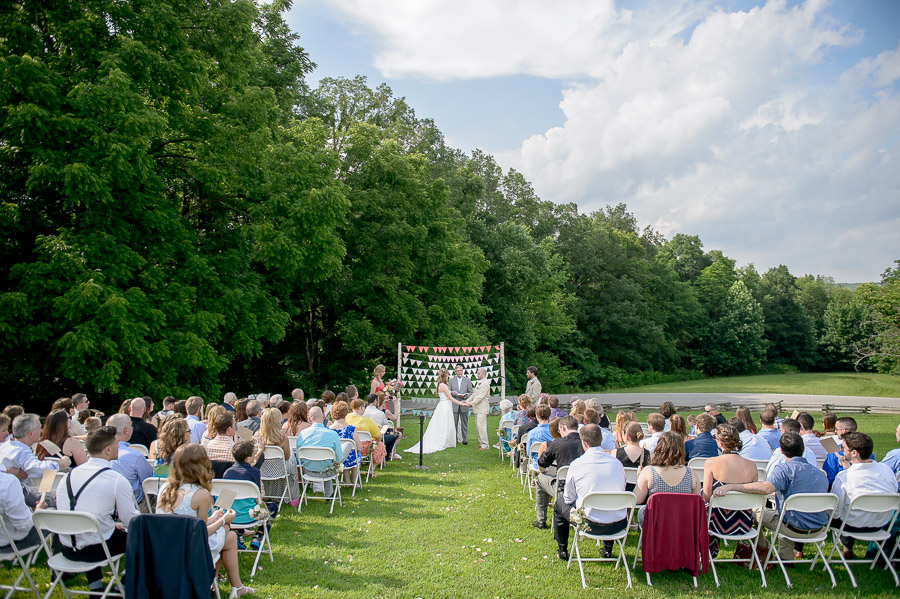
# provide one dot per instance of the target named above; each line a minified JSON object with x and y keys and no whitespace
{"x":480,"y":402}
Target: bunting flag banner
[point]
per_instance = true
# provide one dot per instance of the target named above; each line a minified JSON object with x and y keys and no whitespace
{"x":420,"y":366}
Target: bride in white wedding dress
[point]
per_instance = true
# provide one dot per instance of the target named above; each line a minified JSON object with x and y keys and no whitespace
{"x":440,"y":433}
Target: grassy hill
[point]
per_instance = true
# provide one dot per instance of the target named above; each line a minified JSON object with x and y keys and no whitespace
{"x":829,"y":383}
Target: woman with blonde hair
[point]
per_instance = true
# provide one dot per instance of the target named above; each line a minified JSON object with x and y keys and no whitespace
{"x":188,"y":491}
{"x":622,"y":420}
{"x":522,"y":415}
{"x":441,"y":431}
{"x":210,"y":432}
{"x":270,"y":434}
{"x":377,"y":384}
{"x":173,"y":433}
{"x":346,"y":431}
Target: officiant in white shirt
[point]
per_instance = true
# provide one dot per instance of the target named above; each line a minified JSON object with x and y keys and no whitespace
{"x":461,"y":390}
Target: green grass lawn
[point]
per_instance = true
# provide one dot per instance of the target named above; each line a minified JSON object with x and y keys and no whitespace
{"x":462,"y":529}
{"x":821,"y":383}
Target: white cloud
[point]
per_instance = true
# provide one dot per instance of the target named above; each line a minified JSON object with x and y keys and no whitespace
{"x":732,"y":125}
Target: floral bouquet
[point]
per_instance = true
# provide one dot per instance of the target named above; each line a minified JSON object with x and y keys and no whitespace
{"x":259,"y":512}
{"x":392,"y":388}
{"x":579,"y":519}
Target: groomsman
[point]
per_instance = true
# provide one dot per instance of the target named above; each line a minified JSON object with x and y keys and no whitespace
{"x":461,"y":389}
{"x":533,"y":387}
{"x":481,"y":407}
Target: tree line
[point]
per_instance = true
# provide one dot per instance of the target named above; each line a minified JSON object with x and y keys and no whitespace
{"x":184,"y":215}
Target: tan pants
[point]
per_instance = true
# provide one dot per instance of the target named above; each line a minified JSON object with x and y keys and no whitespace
{"x":481,"y":429}
{"x":785,"y":546}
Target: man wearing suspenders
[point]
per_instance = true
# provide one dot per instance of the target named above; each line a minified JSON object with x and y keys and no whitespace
{"x":96,"y":488}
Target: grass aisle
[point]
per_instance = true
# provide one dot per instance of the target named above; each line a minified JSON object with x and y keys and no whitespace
{"x":463,"y":529}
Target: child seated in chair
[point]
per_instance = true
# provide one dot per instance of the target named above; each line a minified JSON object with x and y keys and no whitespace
{"x":246,"y":455}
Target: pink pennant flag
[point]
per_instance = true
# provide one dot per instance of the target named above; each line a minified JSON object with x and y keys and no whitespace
{"x":409,"y":347}
{"x":406,"y":354}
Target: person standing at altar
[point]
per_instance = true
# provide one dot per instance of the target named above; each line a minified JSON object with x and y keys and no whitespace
{"x":480,"y":403}
{"x":533,"y":387}
{"x":461,"y":390}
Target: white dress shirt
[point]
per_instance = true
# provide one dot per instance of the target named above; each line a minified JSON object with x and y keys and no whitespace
{"x":866,"y":477}
{"x":754,"y":447}
{"x":110,"y":492}
{"x":15,"y":454}
{"x":651,"y":442}
{"x":595,"y":471}
{"x":13,"y":510}
{"x":376,"y":415}
{"x":812,"y":442}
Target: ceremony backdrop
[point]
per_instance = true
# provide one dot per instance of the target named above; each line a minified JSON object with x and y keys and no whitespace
{"x":418,"y":367}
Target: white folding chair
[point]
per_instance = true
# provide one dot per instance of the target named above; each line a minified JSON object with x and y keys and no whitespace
{"x":61,"y":522}
{"x":872,"y":503}
{"x":308,"y":477}
{"x":523,"y":461}
{"x":140,"y":449}
{"x":807,"y":503}
{"x":274,"y":470}
{"x":24,"y":558}
{"x":631,"y":475}
{"x":605,"y":501}
{"x":152,"y":486}
{"x":348,"y":445}
{"x":558,"y":487}
{"x":512,"y":446}
{"x":245,"y":489}
{"x":506,"y":433}
{"x":364,"y":436}
{"x":760,"y":473}
{"x":388,"y":458}
{"x":696,"y":466}
{"x":531,"y":471}
{"x":737,"y":502}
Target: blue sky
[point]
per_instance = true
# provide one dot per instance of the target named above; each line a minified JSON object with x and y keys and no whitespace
{"x":769,"y":129}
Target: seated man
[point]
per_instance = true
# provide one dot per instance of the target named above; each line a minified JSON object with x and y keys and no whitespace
{"x":752,"y":446}
{"x":656,"y":422}
{"x":595,"y":471}
{"x":96,"y":488}
{"x":809,"y":436}
{"x":559,"y":452}
{"x":194,"y":408}
{"x":832,"y":464}
{"x":789,"y":425}
{"x":142,"y":433}
{"x":768,"y":430}
{"x":713,"y":410}
{"x":592,"y":416}
{"x":703,"y":445}
{"x":378,"y":417}
{"x":130,"y":464}
{"x":860,"y":475}
{"x":317,"y":435}
{"x":253,"y":421}
{"x":16,"y":455}
{"x":892,"y":459}
{"x":16,"y":515}
{"x":220,"y":448}
{"x":796,"y":475}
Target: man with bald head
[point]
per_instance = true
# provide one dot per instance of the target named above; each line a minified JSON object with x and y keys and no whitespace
{"x":130,"y":464}
{"x":317,"y":435}
{"x":143,"y":433}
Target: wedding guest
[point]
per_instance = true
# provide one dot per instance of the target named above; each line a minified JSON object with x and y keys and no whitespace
{"x":129,"y":463}
{"x":188,"y":492}
{"x":656,"y":423}
{"x":328,"y":398}
{"x":346,"y":431}
{"x":554,"y":455}
{"x":829,"y":421}
{"x":728,"y":468}
{"x":194,"y":407}
{"x":631,"y":454}
{"x":703,"y":445}
{"x":713,"y":411}
{"x":789,"y":425}
{"x":219,"y":449}
{"x":56,"y":430}
{"x":622,"y":421}
{"x":678,"y":426}
{"x":317,"y":435}
{"x":240,"y":410}
{"x":270,"y":434}
{"x":297,"y":419}
{"x":753,"y":447}
{"x":667,"y":472}
{"x":555,"y":412}
{"x":210,"y":433}
{"x":143,"y":433}
{"x":768,"y":430}
{"x":252,"y":421}
{"x":747,"y":418}
{"x":521,"y":416}
{"x":809,"y":436}
{"x":173,"y":433}
{"x":667,"y":409}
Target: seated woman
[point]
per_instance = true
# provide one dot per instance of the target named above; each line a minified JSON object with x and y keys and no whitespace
{"x":188,"y":491}
{"x":677,"y":424}
{"x":632,"y":455}
{"x":521,"y":416}
{"x":667,"y":472}
{"x":747,"y":418}
{"x":297,"y":419}
{"x":173,"y":433}
{"x":829,"y":421}
{"x":339,"y":412}
{"x":56,"y":430}
{"x":210,"y":433}
{"x":270,"y":433}
{"x":726,"y":469}
{"x":622,"y":420}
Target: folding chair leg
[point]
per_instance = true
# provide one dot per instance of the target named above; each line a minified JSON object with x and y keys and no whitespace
{"x":827,"y":567}
{"x":712,"y":565}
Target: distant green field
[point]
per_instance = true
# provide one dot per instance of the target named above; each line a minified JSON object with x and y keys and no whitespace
{"x":831,"y":383}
